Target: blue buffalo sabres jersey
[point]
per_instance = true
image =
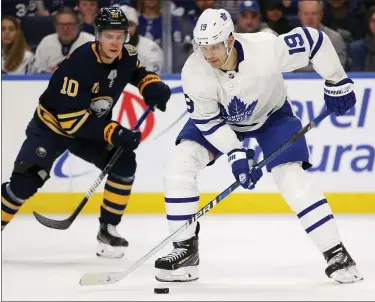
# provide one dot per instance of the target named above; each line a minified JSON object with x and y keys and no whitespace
{"x":82,"y":92}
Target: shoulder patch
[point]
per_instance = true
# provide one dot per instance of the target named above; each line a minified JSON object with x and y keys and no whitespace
{"x":131,"y":49}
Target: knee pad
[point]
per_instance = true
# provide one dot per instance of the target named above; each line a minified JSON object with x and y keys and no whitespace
{"x":181,"y":169}
{"x":125,"y":166}
{"x":26,"y":179}
{"x":296,"y":186}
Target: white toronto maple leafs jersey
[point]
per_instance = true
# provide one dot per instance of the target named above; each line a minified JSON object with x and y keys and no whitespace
{"x":242,"y":100}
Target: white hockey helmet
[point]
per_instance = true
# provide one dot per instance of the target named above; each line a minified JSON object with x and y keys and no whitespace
{"x":213,"y":26}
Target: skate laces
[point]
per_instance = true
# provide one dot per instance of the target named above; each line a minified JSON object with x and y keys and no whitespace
{"x":176,"y":254}
{"x":112,"y":230}
{"x":339,"y":257}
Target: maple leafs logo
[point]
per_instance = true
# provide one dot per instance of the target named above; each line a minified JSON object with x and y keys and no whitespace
{"x":237,"y":110}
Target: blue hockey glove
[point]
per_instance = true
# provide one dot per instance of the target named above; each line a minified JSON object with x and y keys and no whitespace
{"x":339,"y":97}
{"x":242,"y":162}
{"x":157,"y":94}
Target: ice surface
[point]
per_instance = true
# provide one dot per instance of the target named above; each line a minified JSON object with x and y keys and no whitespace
{"x":249,"y":257}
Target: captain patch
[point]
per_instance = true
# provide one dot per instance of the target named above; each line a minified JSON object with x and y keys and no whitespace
{"x":131,"y":49}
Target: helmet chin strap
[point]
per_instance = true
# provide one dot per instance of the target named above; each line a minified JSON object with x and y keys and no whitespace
{"x":228,"y":52}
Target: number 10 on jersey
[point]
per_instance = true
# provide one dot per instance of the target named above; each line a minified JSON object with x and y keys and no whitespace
{"x":72,"y":88}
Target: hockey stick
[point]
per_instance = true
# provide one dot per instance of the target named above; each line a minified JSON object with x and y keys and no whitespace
{"x":113,"y":277}
{"x":66,"y":223}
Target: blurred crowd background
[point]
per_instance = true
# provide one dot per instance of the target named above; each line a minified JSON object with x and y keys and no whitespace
{"x":38,"y":34}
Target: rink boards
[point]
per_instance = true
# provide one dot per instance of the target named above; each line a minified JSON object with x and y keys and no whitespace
{"x":342,"y":151}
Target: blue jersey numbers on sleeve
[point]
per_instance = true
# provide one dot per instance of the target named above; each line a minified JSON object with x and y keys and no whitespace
{"x":295,"y":43}
{"x":189,"y":104}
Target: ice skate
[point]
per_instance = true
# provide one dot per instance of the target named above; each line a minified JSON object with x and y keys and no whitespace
{"x":341,"y":267}
{"x":111,"y":244}
{"x":181,"y":265}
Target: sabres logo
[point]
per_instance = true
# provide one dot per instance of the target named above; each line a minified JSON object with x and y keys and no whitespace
{"x":41,"y":151}
{"x":101,"y":105}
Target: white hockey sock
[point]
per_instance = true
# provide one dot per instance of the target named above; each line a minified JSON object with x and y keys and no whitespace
{"x":180,"y":185}
{"x":309,"y":203}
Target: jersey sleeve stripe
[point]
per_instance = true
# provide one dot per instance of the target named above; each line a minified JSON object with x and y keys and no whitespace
{"x":68,"y":124}
{"x":79,"y":124}
{"x":309,"y":38}
{"x":213,"y":129}
{"x":48,"y":119}
{"x":205,"y":121}
{"x":71,"y":115}
{"x":50,"y":116}
{"x":317,"y":45}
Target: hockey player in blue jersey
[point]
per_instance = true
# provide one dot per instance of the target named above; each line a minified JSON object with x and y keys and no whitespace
{"x":75,"y":113}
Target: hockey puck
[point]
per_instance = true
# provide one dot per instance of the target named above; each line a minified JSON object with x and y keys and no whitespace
{"x":161,"y":290}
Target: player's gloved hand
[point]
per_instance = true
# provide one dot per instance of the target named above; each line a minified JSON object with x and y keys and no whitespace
{"x":125,"y":138}
{"x":339,"y":97}
{"x":157,"y":94}
{"x":243,"y":167}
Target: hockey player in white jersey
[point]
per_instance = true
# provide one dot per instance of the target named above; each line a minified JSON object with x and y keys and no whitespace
{"x":234,"y":89}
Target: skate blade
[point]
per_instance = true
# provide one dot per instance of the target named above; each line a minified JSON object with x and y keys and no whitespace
{"x":183,"y":274}
{"x":347,"y":275}
{"x":106,"y":251}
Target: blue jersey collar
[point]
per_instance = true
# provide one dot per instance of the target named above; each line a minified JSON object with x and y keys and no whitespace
{"x":240,"y":54}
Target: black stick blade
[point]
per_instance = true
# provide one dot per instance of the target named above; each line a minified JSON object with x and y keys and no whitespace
{"x":53,"y":224}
